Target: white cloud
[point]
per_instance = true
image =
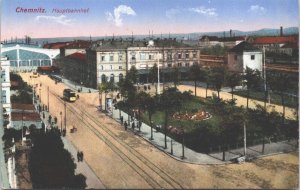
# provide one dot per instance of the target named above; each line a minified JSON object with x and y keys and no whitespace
{"x":172,"y":12}
{"x":62,"y":19}
{"x":116,"y":17}
{"x":257,"y":9}
{"x":204,"y":11}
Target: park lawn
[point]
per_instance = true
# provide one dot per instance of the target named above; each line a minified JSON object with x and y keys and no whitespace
{"x":274,"y":98}
{"x":189,"y":126}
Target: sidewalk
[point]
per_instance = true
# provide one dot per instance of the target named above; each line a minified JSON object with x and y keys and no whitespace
{"x":92,"y":181}
{"x":194,"y":157}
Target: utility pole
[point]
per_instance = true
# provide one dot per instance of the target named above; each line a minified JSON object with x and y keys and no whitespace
{"x":48,"y":100}
{"x":245,"y":140}
{"x":65,"y":105}
{"x":158,"y":85}
{"x":265,"y":77}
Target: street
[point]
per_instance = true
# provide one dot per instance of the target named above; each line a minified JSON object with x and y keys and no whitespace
{"x":121,"y":159}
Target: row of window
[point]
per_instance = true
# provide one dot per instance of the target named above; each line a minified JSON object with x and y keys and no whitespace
{"x":36,"y":63}
{"x":145,"y":56}
{"x":110,"y":67}
{"x":111,"y":78}
{"x":252,"y":57}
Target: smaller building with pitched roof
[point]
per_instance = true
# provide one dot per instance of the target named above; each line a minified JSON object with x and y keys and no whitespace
{"x":244,"y":55}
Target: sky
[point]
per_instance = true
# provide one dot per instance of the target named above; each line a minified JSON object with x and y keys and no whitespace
{"x":124,"y":17}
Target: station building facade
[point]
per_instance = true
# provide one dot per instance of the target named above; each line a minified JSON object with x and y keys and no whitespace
{"x":110,"y":60}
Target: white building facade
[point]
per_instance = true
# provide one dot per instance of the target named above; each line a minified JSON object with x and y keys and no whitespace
{"x":245,"y":55}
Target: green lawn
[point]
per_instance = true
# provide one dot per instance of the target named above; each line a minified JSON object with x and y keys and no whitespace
{"x":274,"y":98}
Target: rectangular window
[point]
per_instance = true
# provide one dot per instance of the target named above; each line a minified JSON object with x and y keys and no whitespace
{"x":169,"y":64}
{"x":187,"y":64}
{"x":3,"y":78}
{"x":120,"y":67}
{"x":133,"y":57}
{"x":4,"y":96}
{"x":150,"y":57}
{"x":169,"y":57}
{"x":252,"y":57}
{"x":111,"y":58}
{"x":194,"y":55}
{"x":187,"y":55}
{"x":142,"y":56}
{"x":179,"y":64}
{"x":120,"y":57}
{"x":102,"y":58}
{"x":179,"y":55}
{"x":111,"y":67}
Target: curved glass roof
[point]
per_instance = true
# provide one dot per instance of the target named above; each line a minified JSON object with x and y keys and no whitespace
{"x":24,"y":55}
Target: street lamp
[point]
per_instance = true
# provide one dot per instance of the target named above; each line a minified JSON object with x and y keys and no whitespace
{"x":60,"y":122}
{"x":48,"y":100}
{"x":65,"y":130}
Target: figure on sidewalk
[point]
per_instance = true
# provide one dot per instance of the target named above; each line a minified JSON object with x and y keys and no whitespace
{"x":78,"y":156}
{"x":121,"y":118}
{"x":81,"y":156}
{"x":133,"y":125}
{"x":43,"y":115}
{"x":125,"y":125}
{"x":49,"y":119}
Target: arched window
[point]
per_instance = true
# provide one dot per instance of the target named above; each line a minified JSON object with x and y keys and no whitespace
{"x":120,"y":77}
{"x":112,"y":78}
{"x":103,"y":78}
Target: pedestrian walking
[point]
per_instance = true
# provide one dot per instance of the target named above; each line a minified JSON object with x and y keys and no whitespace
{"x":40,"y":109}
{"x":49,"y":119}
{"x":121,"y":118}
{"x":133,"y":125}
{"x":43,"y":107}
{"x":46,"y":107}
{"x":81,"y":156}
{"x":43,"y":115}
{"x":140,"y":125}
{"x":78,"y":156}
{"x":125,"y":125}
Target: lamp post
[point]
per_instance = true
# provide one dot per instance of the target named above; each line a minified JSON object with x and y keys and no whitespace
{"x":158,"y":85}
{"x":65,"y":105}
{"x":48,"y":99}
{"x":60,"y":122}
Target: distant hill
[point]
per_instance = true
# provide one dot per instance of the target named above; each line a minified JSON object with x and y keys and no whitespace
{"x":191,"y":36}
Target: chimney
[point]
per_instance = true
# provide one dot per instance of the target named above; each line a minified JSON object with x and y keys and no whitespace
{"x":281,"y":31}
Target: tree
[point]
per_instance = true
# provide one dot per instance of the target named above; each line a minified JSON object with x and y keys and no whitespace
{"x":194,"y":74}
{"x":216,"y":78}
{"x":280,"y":83}
{"x":149,"y":104}
{"x":266,"y":123}
{"x":252,"y":80}
{"x":106,"y":87}
{"x":206,"y":77}
{"x":50,"y":165}
{"x":170,"y":101}
{"x":233,"y":80}
{"x":175,"y":76}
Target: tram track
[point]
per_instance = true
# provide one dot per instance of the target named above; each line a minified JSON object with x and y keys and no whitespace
{"x":151,"y":173}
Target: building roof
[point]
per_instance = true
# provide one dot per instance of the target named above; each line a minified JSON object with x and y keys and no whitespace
{"x":210,"y":38}
{"x":55,"y":45}
{"x":232,"y":39}
{"x":77,"y":44}
{"x":244,"y":47}
{"x":77,"y":55}
{"x":275,"y":39}
{"x":25,"y":116}
{"x":23,"y":106}
{"x":124,"y":44}
{"x":291,"y":45}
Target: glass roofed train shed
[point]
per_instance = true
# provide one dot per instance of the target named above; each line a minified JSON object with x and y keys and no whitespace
{"x":28,"y":57}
